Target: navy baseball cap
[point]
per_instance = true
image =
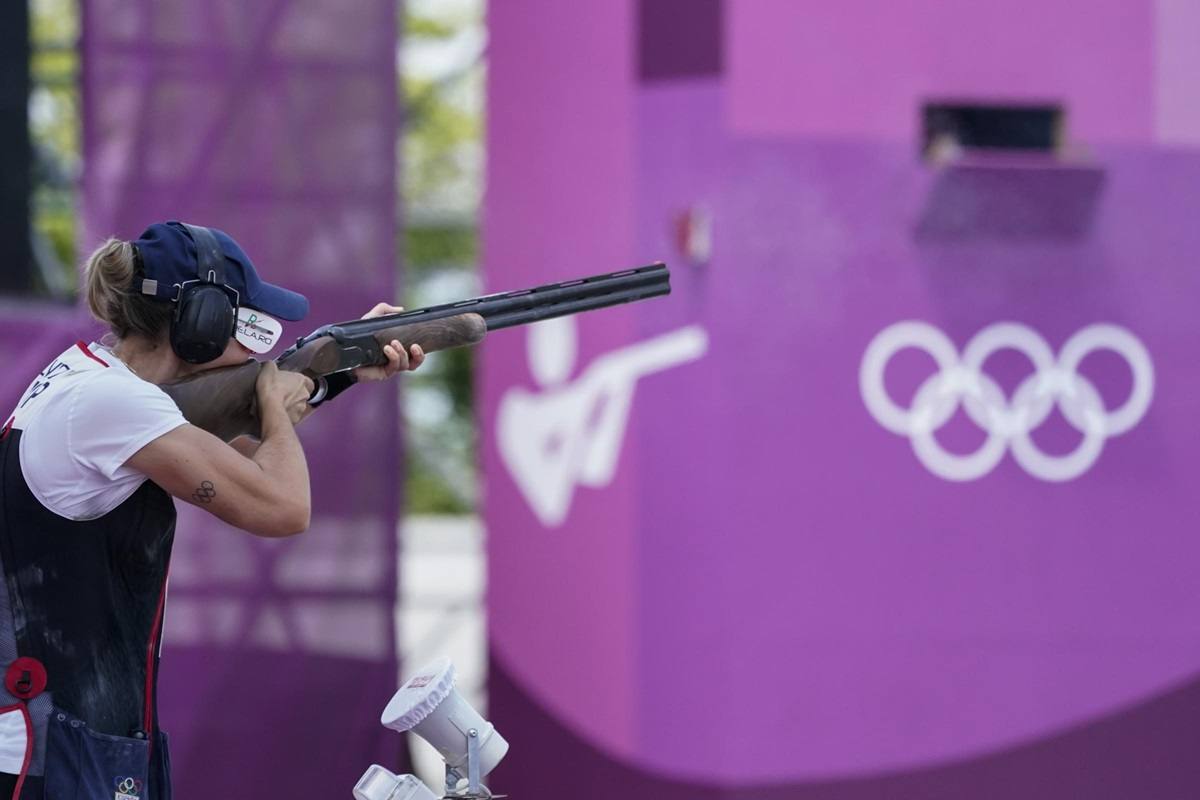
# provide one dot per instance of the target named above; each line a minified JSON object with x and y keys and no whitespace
{"x":168,"y":257}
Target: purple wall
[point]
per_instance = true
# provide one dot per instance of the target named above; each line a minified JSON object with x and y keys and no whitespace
{"x":775,"y":594}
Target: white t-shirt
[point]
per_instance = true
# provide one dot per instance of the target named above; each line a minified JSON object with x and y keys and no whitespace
{"x":80,"y":421}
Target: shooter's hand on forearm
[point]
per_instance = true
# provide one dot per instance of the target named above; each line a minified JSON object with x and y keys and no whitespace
{"x":399,"y":360}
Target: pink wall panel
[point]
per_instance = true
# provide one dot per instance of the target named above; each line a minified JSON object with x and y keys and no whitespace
{"x":861,"y":68}
{"x":1177,"y":69}
{"x":560,"y":205}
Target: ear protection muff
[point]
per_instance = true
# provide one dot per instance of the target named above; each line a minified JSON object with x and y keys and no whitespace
{"x":205,"y":308}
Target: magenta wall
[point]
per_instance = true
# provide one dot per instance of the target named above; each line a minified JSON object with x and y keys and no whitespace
{"x":774,"y":596}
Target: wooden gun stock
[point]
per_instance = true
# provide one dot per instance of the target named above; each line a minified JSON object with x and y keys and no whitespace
{"x":224,"y":401}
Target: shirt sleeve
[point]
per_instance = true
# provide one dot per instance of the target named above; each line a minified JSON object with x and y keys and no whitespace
{"x":114,"y":416}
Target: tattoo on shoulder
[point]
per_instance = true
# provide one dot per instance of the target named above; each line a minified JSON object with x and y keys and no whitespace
{"x":205,"y":493}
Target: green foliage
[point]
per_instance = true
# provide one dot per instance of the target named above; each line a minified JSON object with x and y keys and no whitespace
{"x":431,"y":247}
{"x":419,"y":27}
{"x":459,"y":369}
{"x":55,"y":131}
{"x":428,"y":494}
{"x":437,"y":132}
{"x":54,"y":21}
{"x":443,"y":131}
{"x":54,"y":219}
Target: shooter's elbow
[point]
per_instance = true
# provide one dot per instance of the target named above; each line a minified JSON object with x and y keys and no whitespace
{"x":288,"y":520}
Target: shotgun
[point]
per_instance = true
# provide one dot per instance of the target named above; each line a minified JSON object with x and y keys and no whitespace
{"x":223,"y":401}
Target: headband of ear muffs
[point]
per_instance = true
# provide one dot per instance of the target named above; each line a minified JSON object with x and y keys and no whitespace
{"x":205,"y":308}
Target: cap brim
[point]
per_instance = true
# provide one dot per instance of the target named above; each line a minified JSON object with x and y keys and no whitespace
{"x":279,"y":302}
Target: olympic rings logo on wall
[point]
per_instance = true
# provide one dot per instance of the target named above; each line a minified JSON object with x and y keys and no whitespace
{"x":1008,"y":423}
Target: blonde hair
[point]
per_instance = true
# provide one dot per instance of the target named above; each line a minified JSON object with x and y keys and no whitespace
{"x":109,"y":275}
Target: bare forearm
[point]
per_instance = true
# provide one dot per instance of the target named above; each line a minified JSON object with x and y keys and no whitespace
{"x":281,"y":457}
{"x":246,"y":445}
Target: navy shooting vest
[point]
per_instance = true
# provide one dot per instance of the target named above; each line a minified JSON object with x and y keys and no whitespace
{"x":85,"y":599}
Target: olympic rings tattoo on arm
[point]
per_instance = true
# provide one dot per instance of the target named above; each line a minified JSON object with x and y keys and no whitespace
{"x":205,"y":493}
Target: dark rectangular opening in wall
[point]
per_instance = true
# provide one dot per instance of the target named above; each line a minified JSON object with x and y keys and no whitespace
{"x":948,"y":126}
{"x":680,"y":39}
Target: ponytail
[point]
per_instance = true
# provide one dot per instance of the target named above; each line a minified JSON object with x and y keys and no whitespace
{"x":109,"y":274}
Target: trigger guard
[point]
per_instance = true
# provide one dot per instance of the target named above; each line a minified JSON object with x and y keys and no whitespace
{"x":322,"y":389}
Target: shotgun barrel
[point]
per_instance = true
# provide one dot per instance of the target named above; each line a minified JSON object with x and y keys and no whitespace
{"x":508,"y":309}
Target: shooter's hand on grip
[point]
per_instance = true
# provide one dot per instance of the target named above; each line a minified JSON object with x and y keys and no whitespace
{"x":287,"y":390}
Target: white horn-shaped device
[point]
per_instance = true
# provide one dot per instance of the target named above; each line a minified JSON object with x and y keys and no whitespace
{"x":380,"y":784}
{"x":429,"y":706}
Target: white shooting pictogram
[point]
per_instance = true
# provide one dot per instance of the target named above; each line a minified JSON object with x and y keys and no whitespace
{"x":569,"y":433}
{"x":961,"y":380}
